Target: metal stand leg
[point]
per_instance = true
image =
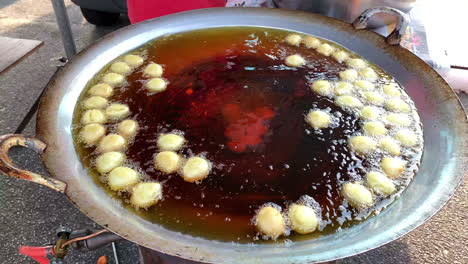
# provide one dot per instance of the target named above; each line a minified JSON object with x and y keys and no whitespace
{"x":64,"y":25}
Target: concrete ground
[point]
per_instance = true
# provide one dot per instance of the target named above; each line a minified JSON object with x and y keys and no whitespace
{"x":29,"y":213}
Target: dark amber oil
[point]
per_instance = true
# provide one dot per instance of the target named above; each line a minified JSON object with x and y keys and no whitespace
{"x":239,"y":106}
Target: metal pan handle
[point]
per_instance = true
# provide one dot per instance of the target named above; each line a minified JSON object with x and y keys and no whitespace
{"x":8,"y":168}
{"x":402,"y":22}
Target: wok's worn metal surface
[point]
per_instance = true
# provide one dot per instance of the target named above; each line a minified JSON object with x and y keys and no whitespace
{"x":442,"y":167}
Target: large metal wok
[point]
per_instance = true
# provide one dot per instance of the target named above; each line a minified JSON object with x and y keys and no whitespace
{"x":443,"y":164}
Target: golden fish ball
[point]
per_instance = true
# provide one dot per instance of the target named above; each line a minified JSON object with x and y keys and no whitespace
{"x":153,"y":70}
{"x":127,"y":128}
{"x":117,"y":111}
{"x":294,"y":60}
{"x":390,"y":145}
{"x":108,"y":161}
{"x":374,"y":98}
{"x":368,"y":74}
{"x":318,"y":119}
{"x":398,"y":119}
{"x":348,"y":75}
{"x":325,"y":49}
{"x":293,"y":39}
{"x":357,"y":195}
{"x":374,"y":128}
{"x":356,"y":63}
{"x":92,"y":133}
{"x":133,"y":60}
{"x":101,"y":89}
{"x":156,"y":85}
{"x":322,"y":87}
{"x":340,"y":56}
{"x":196,"y":169}
{"x":407,"y":137}
{"x":311,"y":42}
{"x":397,"y":105}
{"x":380,"y":183}
{"x":146,"y":194}
{"x":343,"y":88}
{"x":393,"y":167}
{"x":113,"y":78}
{"x":122,"y":178}
{"x":370,"y":112}
{"x":170,"y":141}
{"x":270,"y":222}
{"x":362,"y":144}
{"x":364,"y":85}
{"x":93,"y":116}
{"x":167,"y":161}
{"x":120,"y":67}
{"x":303,"y":218}
{"x":391,"y":90}
{"x":94,"y":102}
{"x":348,"y":101}
{"x":111,"y":142}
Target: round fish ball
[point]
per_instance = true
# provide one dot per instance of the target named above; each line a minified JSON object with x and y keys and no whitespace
{"x":393,"y":167}
{"x":270,"y":222}
{"x":120,"y":67}
{"x":311,"y":42}
{"x":293,"y":39}
{"x":398,"y":119}
{"x":348,"y":101}
{"x":364,"y":85}
{"x":349,"y":75}
{"x":368,"y":74}
{"x":146,"y":194}
{"x":295,"y":60}
{"x":379,"y":183}
{"x":389,"y":145}
{"x":407,"y":137}
{"x":153,"y":70}
{"x":196,"y":169}
{"x":340,"y":56}
{"x":90,"y":134}
{"x":370,"y":112}
{"x":111,"y":142}
{"x":343,"y":88}
{"x":303,"y":218}
{"x":93,"y":116}
{"x":122,"y":178}
{"x":375,"y":128}
{"x":127,"y":128}
{"x":322,"y":87}
{"x":133,"y":60}
{"x":108,"y":161}
{"x":167,"y":161}
{"x":101,"y":89}
{"x":117,"y":111}
{"x":325,"y":49}
{"x":374,"y":98}
{"x":318,"y":119}
{"x":391,"y":90}
{"x":357,"y":195}
{"x":356,"y":63}
{"x":362,"y":144}
{"x":170,"y":141}
{"x":113,"y":78}
{"x":397,"y":105}
{"x":95,"y":102}
{"x":156,"y":85}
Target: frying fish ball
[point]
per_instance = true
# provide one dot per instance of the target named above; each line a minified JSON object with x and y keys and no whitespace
{"x":170,"y":141}
{"x":362,"y":144}
{"x":120,"y":67}
{"x":117,"y":111}
{"x":357,"y":195}
{"x":349,"y":75}
{"x":133,"y":60}
{"x":340,"y":56}
{"x":364,"y":85}
{"x":293,"y":39}
{"x":391,"y":90}
{"x":325,"y":49}
{"x":90,"y":134}
{"x":153,"y":70}
{"x":108,"y":161}
{"x":356,"y":63}
{"x":127,"y":128}
{"x":348,"y":101}
{"x":111,"y":142}
{"x":398,"y":105}
{"x":95,"y":102}
{"x":390,"y":145}
{"x":113,"y":78}
{"x":294,"y":60}
{"x":322,"y":87}
{"x":407,"y":137}
{"x":156,"y":85}
{"x":393,"y":167}
{"x":93,"y":116}
{"x":398,"y":119}
{"x":311,"y":42}
{"x":101,"y":89}
{"x":146,"y":194}
{"x":167,"y":161}
{"x":318,"y":119}
{"x":303,"y":218}
{"x":379,"y":183}
{"x":343,"y":88}
{"x":368,"y":74}
{"x":370,"y":112}
{"x":270,"y":222}
{"x":196,"y":169}
{"x":121,"y":178}
{"x":375,"y":128}
{"x":374,"y":98}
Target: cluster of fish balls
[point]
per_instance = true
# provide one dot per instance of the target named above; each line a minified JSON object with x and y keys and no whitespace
{"x":383,"y":111}
{"x":168,"y":161}
{"x":99,"y":111}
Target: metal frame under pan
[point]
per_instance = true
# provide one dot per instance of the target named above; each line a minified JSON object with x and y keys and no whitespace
{"x":442,"y":168}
